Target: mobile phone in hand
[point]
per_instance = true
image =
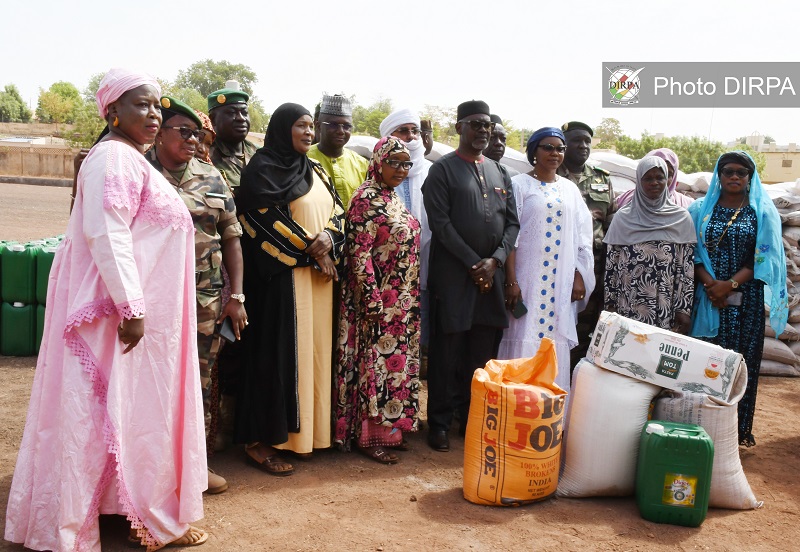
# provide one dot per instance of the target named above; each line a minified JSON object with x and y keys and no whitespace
{"x":225,"y":330}
{"x":520,"y":310}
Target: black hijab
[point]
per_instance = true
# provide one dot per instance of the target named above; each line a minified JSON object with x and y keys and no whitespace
{"x":738,"y":157}
{"x":277,"y":174}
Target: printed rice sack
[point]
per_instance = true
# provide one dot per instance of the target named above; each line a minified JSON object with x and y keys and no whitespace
{"x":512,"y":448}
{"x":607,"y":412}
{"x":729,"y":486}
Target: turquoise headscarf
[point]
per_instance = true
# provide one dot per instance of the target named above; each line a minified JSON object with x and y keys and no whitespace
{"x":770,"y":260}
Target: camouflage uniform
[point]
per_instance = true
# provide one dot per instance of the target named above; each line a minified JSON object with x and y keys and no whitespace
{"x":211,"y":205}
{"x":231,"y":164}
{"x":595,"y":186}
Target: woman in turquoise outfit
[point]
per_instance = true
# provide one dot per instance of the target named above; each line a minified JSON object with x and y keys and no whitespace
{"x":739,"y":261}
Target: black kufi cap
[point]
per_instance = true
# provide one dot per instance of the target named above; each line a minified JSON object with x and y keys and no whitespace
{"x":472,"y":107}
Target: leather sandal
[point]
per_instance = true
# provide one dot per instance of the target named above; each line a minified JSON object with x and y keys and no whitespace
{"x":273,"y":465}
{"x":378,"y":454}
{"x":192,"y":537}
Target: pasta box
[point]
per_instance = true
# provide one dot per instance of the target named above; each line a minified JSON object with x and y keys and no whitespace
{"x":662,"y":357}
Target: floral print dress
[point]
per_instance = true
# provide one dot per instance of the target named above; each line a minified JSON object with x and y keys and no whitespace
{"x":377,"y":382}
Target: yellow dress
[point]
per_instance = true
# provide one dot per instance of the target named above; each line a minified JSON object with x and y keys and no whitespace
{"x":314,"y":311}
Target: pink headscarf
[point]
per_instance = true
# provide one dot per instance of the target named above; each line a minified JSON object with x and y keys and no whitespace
{"x":118,"y":81}
{"x":677,"y":198}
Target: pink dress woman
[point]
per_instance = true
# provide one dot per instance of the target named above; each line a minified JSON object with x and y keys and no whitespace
{"x":107,"y":432}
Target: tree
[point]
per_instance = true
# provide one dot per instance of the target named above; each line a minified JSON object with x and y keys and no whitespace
{"x":90,"y":92}
{"x":367,"y":120}
{"x":88,"y":125}
{"x":695,"y":154}
{"x":259,"y":118}
{"x":12,"y":106}
{"x":59,"y":104}
{"x":208,"y":75}
{"x":443,"y":122}
{"x":608,"y":132}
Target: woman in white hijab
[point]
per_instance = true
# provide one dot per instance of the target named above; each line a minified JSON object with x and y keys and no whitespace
{"x":650,"y":263}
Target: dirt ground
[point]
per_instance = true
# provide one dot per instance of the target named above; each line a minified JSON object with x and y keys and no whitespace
{"x":341,"y":501}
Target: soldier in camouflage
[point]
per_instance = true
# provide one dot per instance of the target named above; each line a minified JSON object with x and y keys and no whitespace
{"x":217,"y":232}
{"x":595,"y":186}
{"x":231,"y":151}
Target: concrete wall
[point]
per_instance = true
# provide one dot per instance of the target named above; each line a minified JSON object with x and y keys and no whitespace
{"x":34,"y":129}
{"x":775,"y":172}
{"x":36,"y":161}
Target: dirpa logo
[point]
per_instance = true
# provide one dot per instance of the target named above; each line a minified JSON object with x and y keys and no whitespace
{"x":624,"y":84}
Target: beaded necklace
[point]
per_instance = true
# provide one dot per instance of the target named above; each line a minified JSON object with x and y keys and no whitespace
{"x":712,"y":249}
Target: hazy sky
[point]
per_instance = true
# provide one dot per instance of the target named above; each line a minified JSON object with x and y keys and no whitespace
{"x":536,"y":63}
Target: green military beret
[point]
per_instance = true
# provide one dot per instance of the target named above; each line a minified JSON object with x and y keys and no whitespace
{"x":226,"y":96}
{"x":171,"y":107}
{"x":577,"y":125}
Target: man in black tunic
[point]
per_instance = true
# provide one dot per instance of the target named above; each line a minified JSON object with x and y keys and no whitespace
{"x":474,"y":225}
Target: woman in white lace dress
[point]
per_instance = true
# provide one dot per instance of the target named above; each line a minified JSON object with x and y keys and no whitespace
{"x":551,"y":271}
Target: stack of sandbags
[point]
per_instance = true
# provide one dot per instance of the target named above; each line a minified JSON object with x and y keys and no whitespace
{"x":694,"y":185}
{"x":782,"y":353}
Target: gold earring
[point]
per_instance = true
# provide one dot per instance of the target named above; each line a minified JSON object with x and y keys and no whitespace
{"x":116,"y":121}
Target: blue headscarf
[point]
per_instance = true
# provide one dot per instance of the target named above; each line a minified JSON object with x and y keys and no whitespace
{"x":540,"y":135}
{"x":770,"y":260}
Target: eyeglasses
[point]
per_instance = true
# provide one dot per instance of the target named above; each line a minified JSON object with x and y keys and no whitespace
{"x":550,"y":148}
{"x":413,"y":131}
{"x":347,"y":127}
{"x":186,"y":133}
{"x":395,"y":164}
{"x":479,"y":125}
{"x":741,"y":173}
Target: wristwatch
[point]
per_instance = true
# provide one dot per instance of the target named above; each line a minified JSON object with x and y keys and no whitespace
{"x":734,"y":283}
{"x":238,"y":296}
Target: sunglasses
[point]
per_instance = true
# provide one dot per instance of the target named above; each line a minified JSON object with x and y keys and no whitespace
{"x":550,"y":148}
{"x":347,"y":127}
{"x":479,"y":125}
{"x":741,"y":173}
{"x":186,"y":133}
{"x":413,"y":131}
{"x":395,"y":164}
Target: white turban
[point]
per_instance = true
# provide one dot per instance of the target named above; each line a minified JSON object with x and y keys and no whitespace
{"x":416,"y":148}
{"x":397,"y":118}
{"x":118,"y":81}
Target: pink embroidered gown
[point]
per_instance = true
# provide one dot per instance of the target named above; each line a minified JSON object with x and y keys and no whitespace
{"x":108,"y":433}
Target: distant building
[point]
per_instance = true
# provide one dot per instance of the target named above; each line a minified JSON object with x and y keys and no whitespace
{"x":783,"y":162}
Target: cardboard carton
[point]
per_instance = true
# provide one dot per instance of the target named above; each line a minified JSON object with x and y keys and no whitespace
{"x":662,"y":357}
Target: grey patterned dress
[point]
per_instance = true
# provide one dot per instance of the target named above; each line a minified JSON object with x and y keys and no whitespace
{"x":650,"y":282}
